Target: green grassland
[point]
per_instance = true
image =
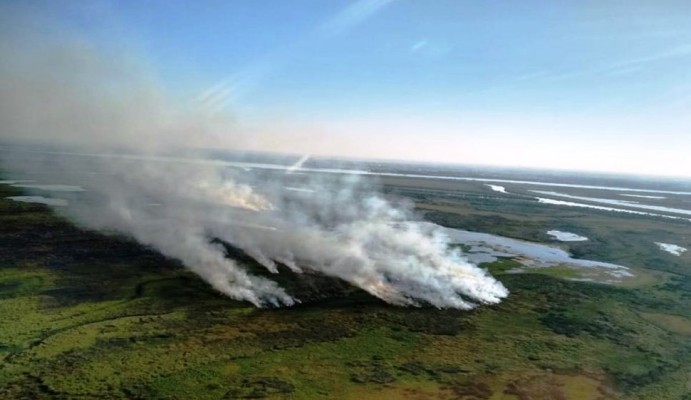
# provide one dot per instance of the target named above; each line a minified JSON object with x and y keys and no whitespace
{"x":88,"y":315}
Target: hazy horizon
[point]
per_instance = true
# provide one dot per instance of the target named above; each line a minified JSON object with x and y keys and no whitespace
{"x":289,"y":158}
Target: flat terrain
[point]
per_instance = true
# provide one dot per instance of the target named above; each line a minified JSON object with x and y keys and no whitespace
{"x":87,"y":315}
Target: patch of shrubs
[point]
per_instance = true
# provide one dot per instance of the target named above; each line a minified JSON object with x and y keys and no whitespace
{"x":259,"y":388}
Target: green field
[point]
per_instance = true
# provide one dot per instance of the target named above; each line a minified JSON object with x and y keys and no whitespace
{"x":88,"y":315}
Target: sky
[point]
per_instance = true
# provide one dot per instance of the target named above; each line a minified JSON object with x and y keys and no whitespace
{"x":581,"y":85}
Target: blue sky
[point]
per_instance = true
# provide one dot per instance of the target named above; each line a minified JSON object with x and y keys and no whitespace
{"x":593,"y":85}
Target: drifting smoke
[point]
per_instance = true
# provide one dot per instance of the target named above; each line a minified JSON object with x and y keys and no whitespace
{"x":185,"y":206}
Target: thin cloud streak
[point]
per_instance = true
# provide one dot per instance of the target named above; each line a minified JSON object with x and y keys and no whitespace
{"x":239,"y":84}
{"x":351,"y":16}
{"x":619,"y":68}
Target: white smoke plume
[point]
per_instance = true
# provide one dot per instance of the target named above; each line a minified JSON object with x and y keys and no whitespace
{"x":126,"y":146}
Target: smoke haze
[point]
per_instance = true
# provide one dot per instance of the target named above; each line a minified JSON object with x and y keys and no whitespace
{"x":130,"y":146}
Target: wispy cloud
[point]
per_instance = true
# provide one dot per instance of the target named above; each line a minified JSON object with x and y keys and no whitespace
{"x":351,"y":16}
{"x":678,"y":51}
{"x":623,"y":67}
{"x":417,"y":46}
{"x":243,"y":81}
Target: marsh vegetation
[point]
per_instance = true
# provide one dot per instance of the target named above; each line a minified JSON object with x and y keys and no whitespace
{"x":87,"y":315}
